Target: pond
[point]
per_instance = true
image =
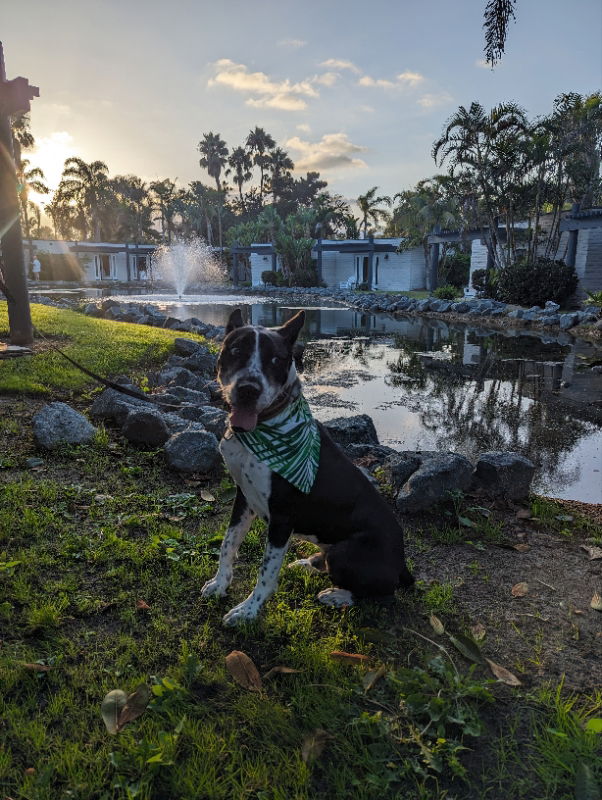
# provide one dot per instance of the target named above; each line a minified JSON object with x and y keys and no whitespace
{"x":430,"y":385}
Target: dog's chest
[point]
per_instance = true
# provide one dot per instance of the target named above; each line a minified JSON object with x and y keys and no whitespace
{"x":253,"y":476}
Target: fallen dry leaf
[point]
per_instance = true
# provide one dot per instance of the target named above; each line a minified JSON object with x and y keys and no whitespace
{"x":521,"y":547}
{"x":207,"y":496}
{"x":349,"y":658}
{"x":523,"y":513}
{"x":111,"y":708}
{"x":437,"y":625}
{"x":244,"y":671}
{"x":593,"y":552}
{"x":314,"y":744}
{"x":467,"y":646}
{"x":520,"y":589}
{"x":502,"y":674}
{"x":279,"y":671}
{"x":596,"y":602}
{"x":478,"y":631}
{"x":142,"y":606}
{"x":135,"y":705}
{"x":34,"y":667}
{"x":372,"y":677}
{"x":30,"y":771}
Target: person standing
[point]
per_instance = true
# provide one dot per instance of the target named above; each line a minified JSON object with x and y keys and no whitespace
{"x":36,"y":268}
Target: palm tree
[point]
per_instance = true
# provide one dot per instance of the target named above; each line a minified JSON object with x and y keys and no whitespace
{"x":29,"y":179}
{"x":258,"y":142}
{"x":164,"y":194}
{"x":369,"y":206}
{"x":241,"y":162}
{"x":498,"y":14}
{"x":86,"y":185}
{"x":280,"y":165}
{"x":215,"y":157}
{"x":490,"y":147}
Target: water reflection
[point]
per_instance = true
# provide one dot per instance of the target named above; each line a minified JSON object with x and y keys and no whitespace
{"x":429,"y":385}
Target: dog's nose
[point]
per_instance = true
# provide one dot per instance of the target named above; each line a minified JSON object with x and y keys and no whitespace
{"x":247,"y":393}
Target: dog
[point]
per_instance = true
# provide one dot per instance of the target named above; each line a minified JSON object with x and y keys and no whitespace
{"x":290,"y":473}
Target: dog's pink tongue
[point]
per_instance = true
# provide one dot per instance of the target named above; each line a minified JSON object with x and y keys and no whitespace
{"x":239,"y":418}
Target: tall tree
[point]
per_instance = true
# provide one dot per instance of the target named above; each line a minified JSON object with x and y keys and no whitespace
{"x":279,"y":164}
{"x":498,"y":14}
{"x":29,"y":179}
{"x":259,"y":142}
{"x":164,"y":199}
{"x":87,"y":187}
{"x":242,"y":164}
{"x":214,"y":158}
{"x":369,"y":206}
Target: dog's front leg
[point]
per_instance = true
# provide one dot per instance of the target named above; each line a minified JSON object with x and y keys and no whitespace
{"x":278,"y":540}
{"x":240,"y":522}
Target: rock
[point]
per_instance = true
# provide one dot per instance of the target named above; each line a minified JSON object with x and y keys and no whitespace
{"x":180,"y":376}
{"x":460,"y":308}
{"x":551,"y":306}
{"x":192,"y":396}
{"x":112,"y":404}
{"x":214,"y":419}
{"x":568,"y":321}
{"x":205,"y":363}
{"x":444,"y":305}
{"x":506,"y":474}
{"x":33,"y":463}
{"x":378,"y":452}
{"x":401,"y":466}
{"x":423,"y":305}
{"x":176,"y":424}
{"x":192,"y":451}
{"x":58,"y":423}
{"x":188,"y":347}
{"x":115,"y":313}
{"x":91,"y":310}
{"x":433,"y":480}
{"x":145,"y":426}
{"x":106,"y":304}
{"x":215,"y":390}
{"x":163,"y":399}
{"x":517,"y":313}
{"x":358,"y":429}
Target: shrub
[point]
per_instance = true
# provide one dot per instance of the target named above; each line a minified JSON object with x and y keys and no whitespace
{"x":271,"y":277}
{"x":594,"y":298}
{"x":448,"y":292}
{"x":305,"y":277}
{"x":454,"y":270}
{"x":533,"y":284}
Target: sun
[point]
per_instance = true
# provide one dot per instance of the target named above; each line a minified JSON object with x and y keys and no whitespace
{"x":49,"y":154}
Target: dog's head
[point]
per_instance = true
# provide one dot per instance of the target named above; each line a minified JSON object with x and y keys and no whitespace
{"x":255,"y":365}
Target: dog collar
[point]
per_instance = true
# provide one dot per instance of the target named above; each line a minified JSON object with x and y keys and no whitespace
{"x":289,"y":443}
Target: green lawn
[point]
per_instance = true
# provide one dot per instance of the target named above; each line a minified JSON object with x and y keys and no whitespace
{"x":103,"y":346}
{"x":98,"y":528}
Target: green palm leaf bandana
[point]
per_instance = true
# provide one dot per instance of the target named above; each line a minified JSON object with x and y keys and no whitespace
{"x":288,"y":443}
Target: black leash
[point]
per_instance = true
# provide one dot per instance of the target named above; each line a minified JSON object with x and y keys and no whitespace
{"x":105,"y":381}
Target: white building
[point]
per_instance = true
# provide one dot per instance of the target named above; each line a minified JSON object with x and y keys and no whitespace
{"x":374,"y":263}
{"x":89,"y":262}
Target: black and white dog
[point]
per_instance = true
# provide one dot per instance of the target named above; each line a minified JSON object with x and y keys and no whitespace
{"x":360,"y":540}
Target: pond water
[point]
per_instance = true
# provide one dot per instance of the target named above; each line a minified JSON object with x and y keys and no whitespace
{"x":429,"y":385}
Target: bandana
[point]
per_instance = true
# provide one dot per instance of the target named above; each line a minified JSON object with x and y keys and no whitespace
{"x":288,"y":443}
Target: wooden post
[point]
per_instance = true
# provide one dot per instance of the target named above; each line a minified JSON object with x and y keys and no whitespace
{"x":13,"y":96}
{"x":571,"y":251}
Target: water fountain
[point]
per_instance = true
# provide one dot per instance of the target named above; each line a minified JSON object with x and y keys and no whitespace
{"x":187,"y":263}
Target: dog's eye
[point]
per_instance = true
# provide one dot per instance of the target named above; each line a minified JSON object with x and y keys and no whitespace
{"x":234,"y":351}
{"x":277,"y":360}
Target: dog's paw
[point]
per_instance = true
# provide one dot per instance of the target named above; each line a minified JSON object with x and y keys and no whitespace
{"x":216,"y":587}
{"x":303,"y":563}
{"x":339,"y":598}
{"x":244,"y":612}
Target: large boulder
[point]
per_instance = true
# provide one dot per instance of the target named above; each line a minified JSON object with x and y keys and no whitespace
{"x":504,"y":474}
{"x":187,"y":395}
{"x":433,"y":480}
{"x":201,"y":362}
{"x":180,"y":376}
{"x":192,"y":450}
{"x":188,"y":347}
{"x":145,"y":426}
{"x":112,"y":404}
{"x":58,"y":423}
{"x":401,"y":466}
{"x":358,"y":429}
{"x":213,"y":419}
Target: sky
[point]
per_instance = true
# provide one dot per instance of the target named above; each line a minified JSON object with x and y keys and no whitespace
{"x":357,"y":91}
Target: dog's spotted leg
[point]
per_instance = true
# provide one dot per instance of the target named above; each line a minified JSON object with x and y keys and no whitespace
{"x":268,"y":576}
{"x":240,"y":522}
{"x":335,"y":597}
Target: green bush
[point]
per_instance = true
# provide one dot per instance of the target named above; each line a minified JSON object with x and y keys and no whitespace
{"x":448,"y":292}
{"x":533,"y":284}
{"x":305,"y":277}
{"x":272,"y":277}
{"x":454,"y":270}
{"x":479,"y":281}
{"x":594,"y":298}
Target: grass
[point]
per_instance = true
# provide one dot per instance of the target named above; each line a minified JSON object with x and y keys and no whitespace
{"x":103,"y":346}
{"x":97,"y":528}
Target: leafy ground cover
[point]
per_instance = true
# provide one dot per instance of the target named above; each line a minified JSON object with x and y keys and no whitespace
{"x":102,"y":555}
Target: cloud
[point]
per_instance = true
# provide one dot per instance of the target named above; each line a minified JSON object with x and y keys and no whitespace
{"x":338,"y":63}
{"x":327,"y":78}
{"x":403,"y":80}
{"x":268,"y":93}
{"x":434,"y":100}
{"x":304,"y":127}
{"x":334,"y":150}
{"x":295,"y":44}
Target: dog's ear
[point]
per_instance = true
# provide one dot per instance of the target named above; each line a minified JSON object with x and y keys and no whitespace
{"x":290,"y":330}
{"x":235,"y":320}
